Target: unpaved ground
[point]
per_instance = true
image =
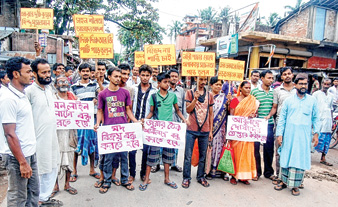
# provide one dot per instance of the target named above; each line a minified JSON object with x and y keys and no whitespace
{"x":320,"y":190}
{"x":3,"y":181}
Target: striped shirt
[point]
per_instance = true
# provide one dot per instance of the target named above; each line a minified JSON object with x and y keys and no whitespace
{"x":85,"y":92}
{"x":279,"y":96}
{"x":265,"y":102}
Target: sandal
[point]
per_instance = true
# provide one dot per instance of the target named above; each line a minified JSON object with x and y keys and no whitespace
{"x":116,"y":182}
{"x":143,"y":187}
{"x":295,"y":191}
{"x":326,"y":163}
{"x":186,"y":183}
{"x":104,"y":188}
{"x":172,"y":185}
{"x":245,"y":182}
{"x":233,"y":181}
{"x":301,"y":186}
{"x":203,"y":182}
{"x":54,"y":193}
{"x":177,"y":168}
{"x":280,"y":186}
{"x":73,"y":178}
{"x":128,"y":186}
{"x":255,"y":178}
{"x":95,"y":175}
{"x":71,"y":190}
{"x":276,"y":182}
{"x":51,"y":202}
{"x":155,"y":169}
{"x":209,"y":176}
{"x":98,"y":184}
{"x":143,"y":179}
{"x":273,"y":177}
{"x":225,"y":177}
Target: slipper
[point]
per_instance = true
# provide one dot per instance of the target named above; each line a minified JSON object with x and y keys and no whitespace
{"x":209,"y":177}
{"x":116,"y":182}
{"x":144,"y":177}
{"x":233,"y":181}
{"x":203,"y":182}
{"x":280,"y":186}
{"x":54,"y":193}
{"x":226,"y":178}
{"x":131,"y":187}
{"x":295,"y":192}
{"x":276,"y":182}
{"x":326,"y":163}
{"x":186,"y":183}
{"x":172,"y":185}
{"x":143,"y":187}
{"x":73,"y":178}
{"x":71,"y":190}
{"x":177,"y":168}
{"x":104,"y":188}
{"x":273,"y":177}
{"x":51,"y":202}
{"x":301,"y":186}
{"x":155,"y":169}
{"x":255,"y":178}
{"x":245,"y":182}
{"x":98,"y":184}
{"x":95,"y":175}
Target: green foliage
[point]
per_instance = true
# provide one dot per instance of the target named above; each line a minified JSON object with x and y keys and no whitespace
{"x":207,"y":15}
{"x":290,"y":9}
{"x":174,"y":29}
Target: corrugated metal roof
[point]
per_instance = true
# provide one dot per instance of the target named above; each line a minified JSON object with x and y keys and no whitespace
{"x":4,"y":34}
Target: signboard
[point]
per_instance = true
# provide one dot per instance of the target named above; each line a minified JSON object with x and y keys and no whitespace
{"x":233,"y":44}
{"x":248,"y":130}
{"x":164,"y":133}
{"x":227,"y":46}
{"x":160,"y":54}
{"x":74,"y":114}
{"x":88,"y":24}
{"x":198,"y":64}
{"x":250,"y":22}
{"x":97,"y":45}
{"x":231,"y":70}
{"x":43,"y":39}
{"x":36,"y":18}
{"x":119,"y":138}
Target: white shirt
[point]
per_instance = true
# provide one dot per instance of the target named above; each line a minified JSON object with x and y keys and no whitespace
{"x":16,"y":109}
{"x":334,"y":92}
{"x":47,"y":146}
{"x":325,"y":106}
{"x":131,"y":83}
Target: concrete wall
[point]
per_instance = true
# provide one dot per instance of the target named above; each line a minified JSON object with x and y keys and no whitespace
{"x":25,"y":42}
{"x":330,"y":25}
{"x":7,"y":18}
{"x":297,"y":25}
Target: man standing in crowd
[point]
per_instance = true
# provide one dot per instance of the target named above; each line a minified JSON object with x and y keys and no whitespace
{"x":334,"y":91}
{"x":264,"y":94}
{"x":20,"y":141}
{"x":114,"y":108}
{"x":4,"y":80}
{"x":100,"y":72}
{"x":298,"y":118}
{"x":200,"y":108}
{"x":254,"y":79}
{"x":315,"y":84}
{"x":85,"y":90}
{"x":69,"y":74}
{"x":58,"y":69}
{"x":286,"y":90}
{"x":153,"y":79}
{"x":134,"y":79}
{"x":325,"y":105}
{"x":141,"y":108}
{"x":92,"y":73}
{"x":40,"y":96}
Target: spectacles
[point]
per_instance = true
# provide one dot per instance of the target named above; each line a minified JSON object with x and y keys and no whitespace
{"x":63,"y":82}
{"x":302,"y":84}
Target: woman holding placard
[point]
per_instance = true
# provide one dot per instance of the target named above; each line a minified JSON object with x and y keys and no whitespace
{"x":244,"y":105}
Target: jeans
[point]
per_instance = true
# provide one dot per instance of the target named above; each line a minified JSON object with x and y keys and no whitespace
{"x":202,"y":138}
{"x":108,"y":167}
{"x":21,"y":191}
{"x":145,"y":153}
{"x":132,"y":163}
{"x":268,"y":150}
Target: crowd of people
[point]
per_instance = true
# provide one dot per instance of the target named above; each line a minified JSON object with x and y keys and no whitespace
{"x":36,"y":152}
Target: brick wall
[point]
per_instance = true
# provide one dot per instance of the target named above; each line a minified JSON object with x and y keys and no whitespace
{"x":330,"y":24}
{"x":297,"y":25}
{"x":7,"y":18}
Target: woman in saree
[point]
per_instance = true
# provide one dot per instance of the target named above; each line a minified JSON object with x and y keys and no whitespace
{"x":222,"y":101}
{"x":244,"y":105}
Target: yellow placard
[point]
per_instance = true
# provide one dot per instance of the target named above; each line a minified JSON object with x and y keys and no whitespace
{"x":36,"y":18}
{"x":198,"y":64}
{"x":139,"y":59}
{"x":232,"y":70}
{"x":160,"y":54}
{"x":96,"y":45}
{"x":88,"y":24}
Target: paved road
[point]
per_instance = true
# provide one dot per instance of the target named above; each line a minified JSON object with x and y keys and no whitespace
{"x":317,"y":192}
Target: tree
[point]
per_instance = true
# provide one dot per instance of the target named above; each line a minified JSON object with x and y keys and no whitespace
{"x":291,"y":9}
{"x":208,"y":16}
{"x":224,"y":17}
{"x":174,"y":29}
{"x":272,"y":19}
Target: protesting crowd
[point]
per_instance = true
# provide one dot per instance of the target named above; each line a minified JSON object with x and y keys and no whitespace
{"x":37,"y":153}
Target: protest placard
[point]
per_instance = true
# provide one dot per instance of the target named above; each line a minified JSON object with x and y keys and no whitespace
{"x":36,"y":18}
{"x":139,"y":58}
{"x":74,"y":114}
{"x":248,"y":130}
{"x":231,"y":70}
{"x":160,"y":54}
{"x":164,"y":133}
{"x":88,"y":24}
{"x":119,"y":138}
{"x":96,"y":45}
{"x":198,"y":64}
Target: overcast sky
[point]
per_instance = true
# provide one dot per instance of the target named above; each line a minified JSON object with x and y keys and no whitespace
{"x":172,"y":10}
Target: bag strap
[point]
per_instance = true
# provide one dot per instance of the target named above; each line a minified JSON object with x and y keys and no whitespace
{"x":155,"y":112}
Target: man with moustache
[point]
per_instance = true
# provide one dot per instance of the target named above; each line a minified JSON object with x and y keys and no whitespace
{"x":298,"y":118}
{"x":325,"y":105}
{"x":153,"y":79}
{"x":134,"y":79}
{"x":286,"y":90}
{"x":18,"y":136}
{"x":264,"y":94}
{"x":40,"y":96}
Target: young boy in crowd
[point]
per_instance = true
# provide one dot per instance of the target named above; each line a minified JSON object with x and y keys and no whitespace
{"x":164,"y":102}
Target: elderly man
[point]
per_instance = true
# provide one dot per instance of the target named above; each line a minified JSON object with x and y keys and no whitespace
{"x":325,"y":105}
{"x":299,"y":116}
{"x":40,"y":96}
